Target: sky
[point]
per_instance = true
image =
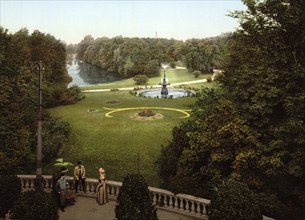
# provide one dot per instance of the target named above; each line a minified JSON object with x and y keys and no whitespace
{"x":71,"y":20}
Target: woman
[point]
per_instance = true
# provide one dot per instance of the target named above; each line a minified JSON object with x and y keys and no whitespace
{"x":102,"y":197}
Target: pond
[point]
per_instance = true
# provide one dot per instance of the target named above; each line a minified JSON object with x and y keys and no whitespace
{"x":84,"y":74}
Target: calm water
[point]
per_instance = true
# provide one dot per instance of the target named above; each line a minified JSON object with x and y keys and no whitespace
{"x":85,"y":74}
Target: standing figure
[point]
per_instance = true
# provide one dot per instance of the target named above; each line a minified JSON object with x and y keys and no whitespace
{"x":102,"y":197}
{"x":80,"y":175}
{"x":61,"y":188}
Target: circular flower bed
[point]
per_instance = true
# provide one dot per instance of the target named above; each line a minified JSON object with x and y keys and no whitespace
{"x":146,"y":115}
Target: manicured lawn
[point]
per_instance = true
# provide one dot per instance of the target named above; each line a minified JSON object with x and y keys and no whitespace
{"x":173,"y":75}
{"x":113,"y":143}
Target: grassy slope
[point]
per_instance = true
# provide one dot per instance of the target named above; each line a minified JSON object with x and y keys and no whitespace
{"x":113,"y":143}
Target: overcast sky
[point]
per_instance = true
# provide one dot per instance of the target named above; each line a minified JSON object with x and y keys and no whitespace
{"x":70,"y":21}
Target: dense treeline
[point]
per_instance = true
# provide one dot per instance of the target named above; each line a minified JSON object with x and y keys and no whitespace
{"x":251,"y":129}
{"x":143,"y":56}
{"x":19,"y":97}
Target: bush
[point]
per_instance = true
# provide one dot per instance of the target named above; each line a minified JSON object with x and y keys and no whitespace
{"x":140,"y":79}
{"x":234,"y":200}
{"x":134,"y":201}
{"x":209,"y":79}
{"x":34,"y":205}
{"x":196,"y":73}
{"x":10,"y":189}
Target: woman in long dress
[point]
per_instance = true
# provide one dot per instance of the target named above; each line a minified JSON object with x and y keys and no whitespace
{"x":102,"y":197}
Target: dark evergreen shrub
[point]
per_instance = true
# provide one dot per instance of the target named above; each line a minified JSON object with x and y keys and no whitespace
{"x":134,"y":201}
{"x":34,"y":205}
{"x":10,"y":189}
{"x":234,"y":200}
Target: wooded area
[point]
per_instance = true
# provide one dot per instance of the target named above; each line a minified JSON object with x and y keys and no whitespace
{"x":251,"y":129}
{"x":143,"y":56}
{"x":19,"y":97}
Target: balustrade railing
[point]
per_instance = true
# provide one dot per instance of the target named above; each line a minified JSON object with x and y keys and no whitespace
{"x":162,"y":199}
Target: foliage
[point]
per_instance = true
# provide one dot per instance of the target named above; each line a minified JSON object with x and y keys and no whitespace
{"x":134,"y":201}
{"x":170,"y":154}
{"x":18,"y":96}
{"x":151,"y":68}
{"x":265,"y":76}
{"x":216,"y":144}
{"x":34,"y":205}
{"x":196,"y":73}
{"x":140,"y":79}
{"x":234,"y":200}
{"x":142,"y":56}
{"x":55,"y":134}
{"x":199,"y":55}
{"x":10,"y":189}
{"x":253,"y":129}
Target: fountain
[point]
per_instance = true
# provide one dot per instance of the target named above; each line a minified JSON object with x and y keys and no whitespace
{"x":165,"y":92}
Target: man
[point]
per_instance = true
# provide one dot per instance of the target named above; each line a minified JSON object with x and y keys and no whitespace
{"x":79,"y":175}
{"x":61,"y":188}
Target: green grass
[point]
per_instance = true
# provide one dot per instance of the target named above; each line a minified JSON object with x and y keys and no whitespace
{"x":113,"y":143}
{"x":174,"y":76}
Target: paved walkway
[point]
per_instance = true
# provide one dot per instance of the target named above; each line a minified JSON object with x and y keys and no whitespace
{"x":86,"y":208}
{"x":157,"y":86}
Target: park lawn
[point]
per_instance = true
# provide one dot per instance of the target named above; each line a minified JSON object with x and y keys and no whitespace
{"x":114,"y":143}
{"x":173,"y":75}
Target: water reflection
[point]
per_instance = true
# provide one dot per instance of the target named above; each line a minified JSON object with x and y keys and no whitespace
{"x":85,"y":74}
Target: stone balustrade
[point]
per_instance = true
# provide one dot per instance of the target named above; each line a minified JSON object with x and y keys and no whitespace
{"x":163,"y":199}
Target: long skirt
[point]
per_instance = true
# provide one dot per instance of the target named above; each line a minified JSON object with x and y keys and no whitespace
{"x":102,"y":197}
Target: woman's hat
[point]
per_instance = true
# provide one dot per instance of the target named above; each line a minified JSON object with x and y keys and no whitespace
{"x":101,"y":170}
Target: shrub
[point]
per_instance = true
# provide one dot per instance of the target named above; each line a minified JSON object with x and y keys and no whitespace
{"x":196,"y":73}
{"x":10,"y":189}
{"x":234,"y":200}
{"x":209,"y":79}
{"x":134,"y":201}
{"x":37,"y":205}
{"x":140,"y":79}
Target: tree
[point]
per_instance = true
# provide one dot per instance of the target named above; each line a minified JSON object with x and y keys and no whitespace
{"x":18,"y":96}
{"x":234,"y":200}
{"x":198,"y":55}
{"x":265,"y":76}
{"x":134,"y":201}
{"x":152,"y":68}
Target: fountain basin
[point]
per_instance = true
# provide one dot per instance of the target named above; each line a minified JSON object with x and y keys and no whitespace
{"x":172,"y":93}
